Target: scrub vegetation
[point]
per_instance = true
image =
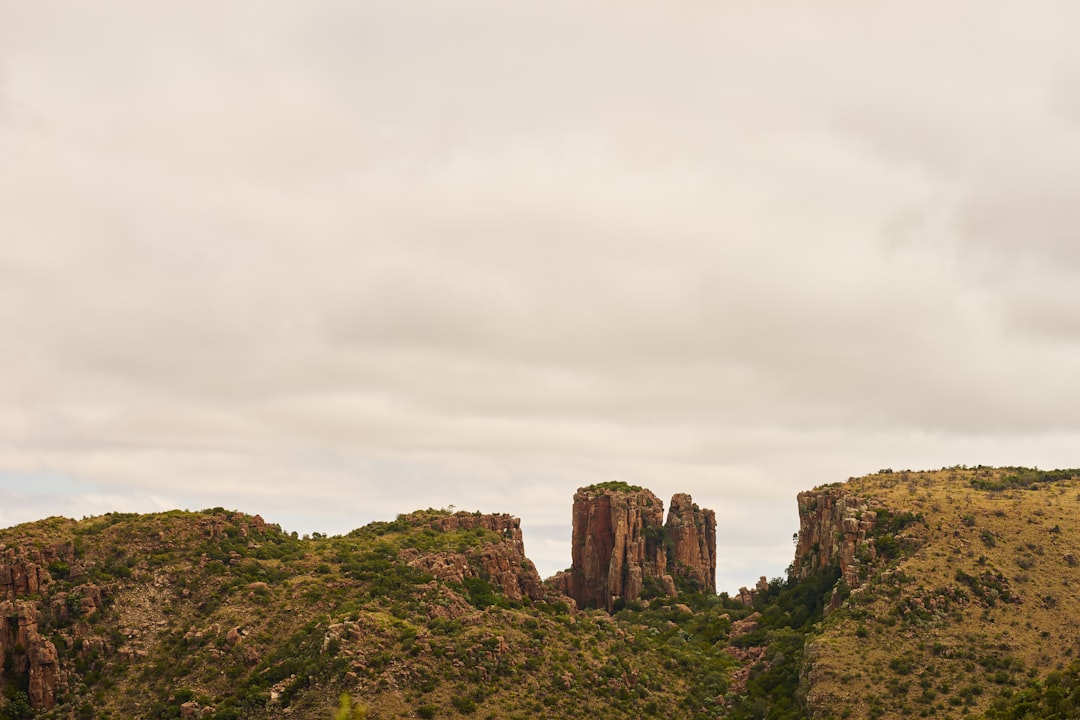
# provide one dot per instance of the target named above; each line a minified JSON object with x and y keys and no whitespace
{"x":968,"y":609}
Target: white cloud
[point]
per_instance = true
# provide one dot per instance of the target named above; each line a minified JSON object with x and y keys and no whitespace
{"x":340,"y":261}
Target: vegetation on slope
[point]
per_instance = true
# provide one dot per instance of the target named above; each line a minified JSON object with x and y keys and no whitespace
{"x":966,"y":608}
{"x":221,"y":614}
{"x":980,"y":604}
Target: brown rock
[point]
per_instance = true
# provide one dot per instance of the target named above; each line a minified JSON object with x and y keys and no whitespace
{"x":745,"y":626}
{"x":58,"y":607}
{"x":746,"y":596}
{"x":193,"y":709}
{"x":635,"y":582}
{"x":748,"y":658}
{"x":32,"y":655}
{"x":23,"y":570}
{"x":503,"y":564}
{"x":44,"y":668}
{"x":692,"y":534}
{"x":833,"y":525}
{"x":614,"y":532}
{"x":620,"y":544}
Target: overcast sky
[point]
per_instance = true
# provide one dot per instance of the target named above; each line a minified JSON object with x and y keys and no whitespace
{"x":332,"y":261}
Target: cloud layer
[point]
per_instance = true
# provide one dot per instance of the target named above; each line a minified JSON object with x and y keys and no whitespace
{"x":332,"y":262}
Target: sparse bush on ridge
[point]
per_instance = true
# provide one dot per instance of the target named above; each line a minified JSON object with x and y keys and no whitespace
{"x":615,"y":485}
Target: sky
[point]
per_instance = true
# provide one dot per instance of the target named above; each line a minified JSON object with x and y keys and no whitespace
{"x":332,"y":261}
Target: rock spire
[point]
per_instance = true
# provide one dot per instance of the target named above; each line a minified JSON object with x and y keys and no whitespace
{"x":621,"y":545}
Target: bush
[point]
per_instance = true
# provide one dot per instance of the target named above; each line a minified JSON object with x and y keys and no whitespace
{"x":463,"y":704}
{"x":616,"y":485}
{"x":17,"y":706}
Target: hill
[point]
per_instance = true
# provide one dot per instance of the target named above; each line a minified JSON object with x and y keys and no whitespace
{"x":963,"y":592}
{"x":936,"y":594}
{"x":218,"y":614}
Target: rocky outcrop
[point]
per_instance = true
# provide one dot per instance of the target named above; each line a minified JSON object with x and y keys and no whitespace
{"x":27,"y":653}
{"x":617,"y":545}
{"x":621,"y":544}
{"x":691,"y":534}
{"x":24,"y":569}
{"x":502,"y":564}
{"x":747,"y":595}
{"x":833,"y":526}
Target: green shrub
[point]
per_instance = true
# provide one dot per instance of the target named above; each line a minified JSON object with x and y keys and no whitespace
{"x":463,"y":704}
{"x":616,"y":485}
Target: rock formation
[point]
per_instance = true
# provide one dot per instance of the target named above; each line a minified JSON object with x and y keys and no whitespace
{"x":620,"y":543}
{"x":833,"y":526}
{"x":747,"y":595}
{"x":691,"y":533}
{"x":23,"y":650}
{"x":27,"y":652}
{"x":617,"y":544}
{"x":503,"y":564}
{"x":23,"y":570}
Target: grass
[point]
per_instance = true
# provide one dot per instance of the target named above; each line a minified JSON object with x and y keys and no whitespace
{"x":982,"y":603}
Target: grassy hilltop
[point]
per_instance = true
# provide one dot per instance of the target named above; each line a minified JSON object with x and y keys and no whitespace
{"x":982,"y":602}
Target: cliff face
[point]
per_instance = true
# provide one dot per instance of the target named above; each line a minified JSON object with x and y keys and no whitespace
{"x":833,"y":525}
{"x":23,"y":650}
{"x":23,"y":570}
{"x":692,"y":536}
{"x":620,"y":542}
{"x":617,"y":544}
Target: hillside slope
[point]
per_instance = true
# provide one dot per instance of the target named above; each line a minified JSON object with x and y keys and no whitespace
{"x":221,"y":615}
{"x":941,"y":594}
{"x":963,"y":589}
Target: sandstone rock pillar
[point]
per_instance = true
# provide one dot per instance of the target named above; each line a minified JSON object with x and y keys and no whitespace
{"x":617,"y":544}
{"x":691,"y":533}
